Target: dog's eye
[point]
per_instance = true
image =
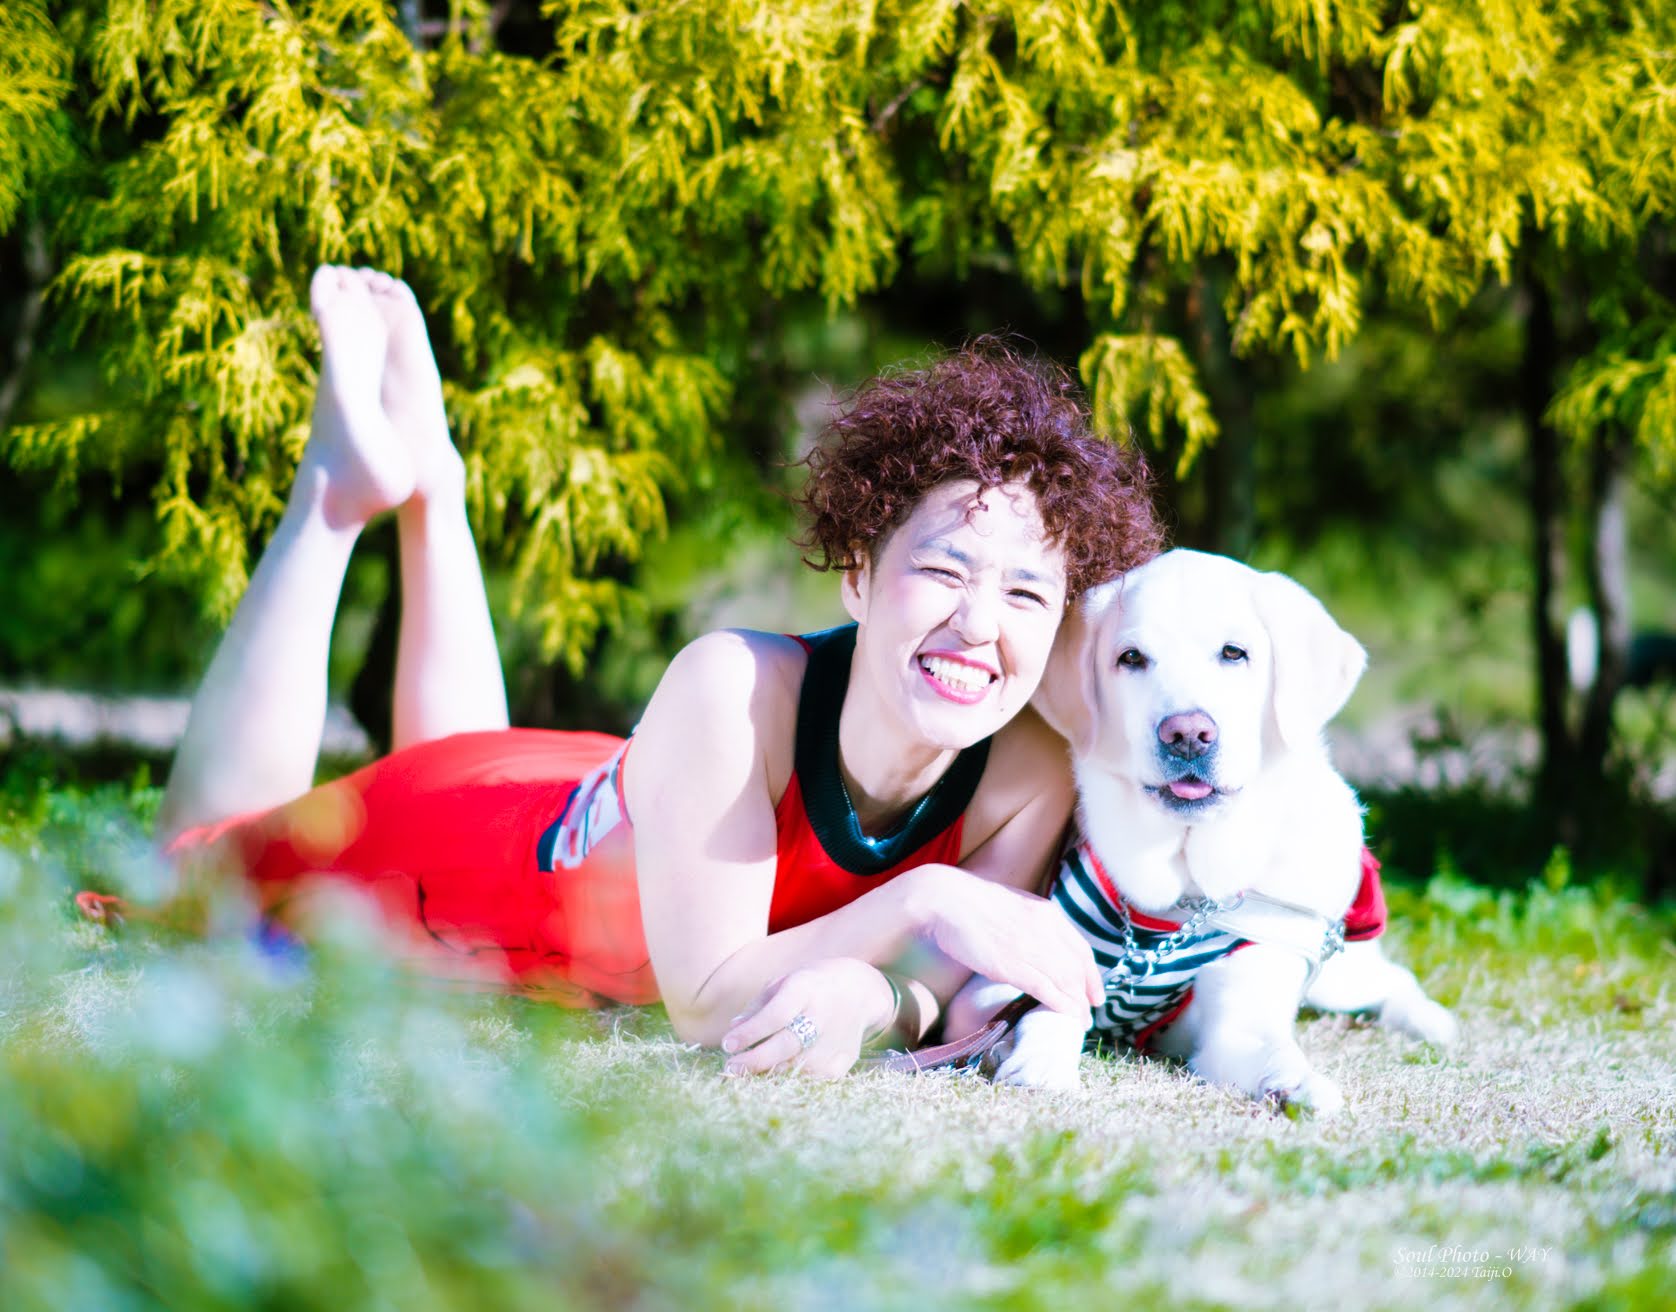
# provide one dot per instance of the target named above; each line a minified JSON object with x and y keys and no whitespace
{"x":1231,"y":653}
{"x":1130,"y":658}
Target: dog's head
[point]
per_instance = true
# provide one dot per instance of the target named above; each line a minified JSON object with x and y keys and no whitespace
{"x":1184,"y":675}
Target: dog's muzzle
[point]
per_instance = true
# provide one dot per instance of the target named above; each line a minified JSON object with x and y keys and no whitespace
{"x":1187,"y":742}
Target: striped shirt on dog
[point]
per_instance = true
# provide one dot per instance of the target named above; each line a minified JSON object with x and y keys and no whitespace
{"x":1136,"y":1006}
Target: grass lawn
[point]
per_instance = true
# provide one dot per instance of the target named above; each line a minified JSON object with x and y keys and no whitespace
{"x":197,"y":1124}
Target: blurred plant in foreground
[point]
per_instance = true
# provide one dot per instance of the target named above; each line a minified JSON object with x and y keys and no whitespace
{"x":194,"y":1124}
{"x":214,"y":1123}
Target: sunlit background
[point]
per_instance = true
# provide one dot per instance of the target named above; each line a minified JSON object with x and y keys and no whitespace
{"x":1384,"y":291}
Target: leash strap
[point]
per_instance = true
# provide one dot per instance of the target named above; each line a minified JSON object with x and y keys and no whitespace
{"x":975,"y":1050}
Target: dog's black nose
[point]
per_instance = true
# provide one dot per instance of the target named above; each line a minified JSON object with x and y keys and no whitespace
{"x":1189,"y":734}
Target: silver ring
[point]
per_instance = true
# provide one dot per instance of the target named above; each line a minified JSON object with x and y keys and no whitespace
{"x":806,"y":1030}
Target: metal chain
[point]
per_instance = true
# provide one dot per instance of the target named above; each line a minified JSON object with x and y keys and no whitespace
{"x":1138,"y":962}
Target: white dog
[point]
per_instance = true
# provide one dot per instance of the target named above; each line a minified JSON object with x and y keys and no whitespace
{"x":1220,"y":851}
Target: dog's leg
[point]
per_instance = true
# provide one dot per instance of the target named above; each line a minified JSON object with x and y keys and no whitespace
{"x":1238,"y":1030}
{"x":1043,"y":1051}
{"x":1363,"y":978}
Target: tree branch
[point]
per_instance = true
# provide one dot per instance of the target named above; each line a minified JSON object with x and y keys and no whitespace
{"x":1547,"y":506}
{"x":37,"y":270}
{"x":436,"y":29}
{"x":1608,"y":580}
{"x":882,"y":119}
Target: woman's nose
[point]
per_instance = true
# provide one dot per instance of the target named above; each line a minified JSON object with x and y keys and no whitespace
{"x":977,"y":617}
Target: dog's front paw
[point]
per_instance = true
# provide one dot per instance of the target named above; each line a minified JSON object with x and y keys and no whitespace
{"x":1419,"y":1017}
{"x":1312,"y":1092}
{"x":1042,"y":1052}
{"x":1291,"y":1082}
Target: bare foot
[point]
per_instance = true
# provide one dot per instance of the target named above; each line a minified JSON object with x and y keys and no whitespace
{"x":353,"y":458}
{"x":412,"y":392}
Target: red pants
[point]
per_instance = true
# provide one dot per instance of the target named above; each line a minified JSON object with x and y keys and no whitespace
{"x":442,"y":838}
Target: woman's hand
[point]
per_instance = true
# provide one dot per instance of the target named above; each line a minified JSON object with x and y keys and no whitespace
{"x":843,"y":999}
{"x":1011,"y":937}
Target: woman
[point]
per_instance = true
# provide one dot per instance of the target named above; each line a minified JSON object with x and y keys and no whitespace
{"x":828,"y":834}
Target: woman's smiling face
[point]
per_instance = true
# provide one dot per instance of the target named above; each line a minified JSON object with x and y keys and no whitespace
{"x":957,"y":611}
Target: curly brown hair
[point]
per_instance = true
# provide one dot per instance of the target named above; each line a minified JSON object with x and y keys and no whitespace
{"x":989,"y":414}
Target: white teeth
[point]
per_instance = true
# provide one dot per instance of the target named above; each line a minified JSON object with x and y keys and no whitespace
{"x":956,"y":675}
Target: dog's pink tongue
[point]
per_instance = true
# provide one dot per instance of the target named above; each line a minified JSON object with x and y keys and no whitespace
{"x":1190,"y":790}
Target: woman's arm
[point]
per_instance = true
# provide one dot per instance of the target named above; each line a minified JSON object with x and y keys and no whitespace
{"x":1017,"y":820}
{"x":1015,"y":827}
{"x":710,"y":756}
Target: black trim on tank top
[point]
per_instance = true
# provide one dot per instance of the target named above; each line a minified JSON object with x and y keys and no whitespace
{"x":826,"y":800}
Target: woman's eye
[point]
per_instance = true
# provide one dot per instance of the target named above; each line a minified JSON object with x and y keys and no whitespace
{"x":1024,"y":594}
{"x":1130,"y":658}
{"x":1231,"y":653}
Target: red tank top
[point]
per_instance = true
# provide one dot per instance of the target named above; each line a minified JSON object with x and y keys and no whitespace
{"x":808,"y":883}
{"x":823,"y":861}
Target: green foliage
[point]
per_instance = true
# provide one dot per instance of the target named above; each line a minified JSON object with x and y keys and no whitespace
{"x":1150,"y":374}
{"x":78,"y":613}
{"x":34,"y":82}
{"x":601,"y":233}
{"x":1629,"y":381}
{"x":1591,"y":923}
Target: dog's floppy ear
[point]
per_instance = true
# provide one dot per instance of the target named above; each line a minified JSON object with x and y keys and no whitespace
{"x":1316,"y":663}
{"x":1067,"y":698}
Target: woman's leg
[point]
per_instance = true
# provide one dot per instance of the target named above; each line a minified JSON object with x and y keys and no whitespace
{"x":448,"y":674}
{"x":253,"y":735}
